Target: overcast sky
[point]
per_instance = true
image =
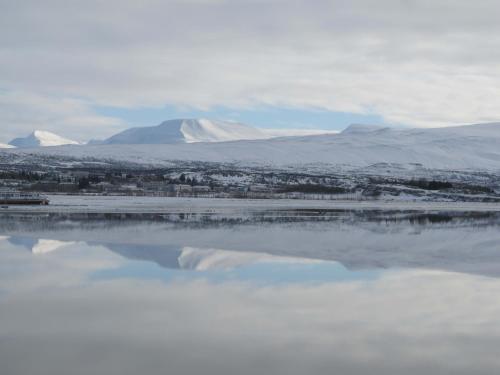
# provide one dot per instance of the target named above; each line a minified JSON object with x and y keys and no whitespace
{"x":89,"y":68}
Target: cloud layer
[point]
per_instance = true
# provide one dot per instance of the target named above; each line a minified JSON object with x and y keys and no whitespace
{"x":422,"y":63}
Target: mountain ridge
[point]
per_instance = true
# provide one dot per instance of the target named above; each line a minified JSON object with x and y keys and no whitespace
{"x":474,"y":147}
{"x":186,"y":131}
{"x":41,"y":138}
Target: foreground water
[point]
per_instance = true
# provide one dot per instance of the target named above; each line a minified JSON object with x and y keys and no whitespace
{"x":282,"y":292}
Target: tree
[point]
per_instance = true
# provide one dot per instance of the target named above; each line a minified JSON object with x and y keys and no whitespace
{"x":83,"y":183}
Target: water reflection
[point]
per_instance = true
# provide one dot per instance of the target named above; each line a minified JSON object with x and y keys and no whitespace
{"x":464,"y":242}
{"x":380,"y":296}
{"x":164,"y":262}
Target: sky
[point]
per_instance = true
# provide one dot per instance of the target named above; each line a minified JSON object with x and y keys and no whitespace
{"x":88,"y":69}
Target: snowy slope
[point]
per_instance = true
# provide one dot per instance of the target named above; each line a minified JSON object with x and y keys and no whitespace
{"x":41,"y":138}
{"x":187,"y":131}
{"x":475,"y":147}
{"x":361,"y":128}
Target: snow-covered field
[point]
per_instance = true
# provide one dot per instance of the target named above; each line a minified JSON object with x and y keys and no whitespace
{"x":120,"y":204}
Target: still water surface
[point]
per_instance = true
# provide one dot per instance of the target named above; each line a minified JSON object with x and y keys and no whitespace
{"x":291,"y":292}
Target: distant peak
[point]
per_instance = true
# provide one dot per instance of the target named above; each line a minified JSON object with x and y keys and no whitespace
{"x":43,"y":133}
{"x":187,"y":130}
{"x":41,"y":138}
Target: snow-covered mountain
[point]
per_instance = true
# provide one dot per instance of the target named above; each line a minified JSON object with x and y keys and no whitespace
{"x":187,"y":131}
{"x":40,"y":138}
{"x":4,"y":145}
{"x":473,"y":147}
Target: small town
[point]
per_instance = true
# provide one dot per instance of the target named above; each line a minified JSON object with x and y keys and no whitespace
{"x":229,"y":182}
{"x":175,"y":183}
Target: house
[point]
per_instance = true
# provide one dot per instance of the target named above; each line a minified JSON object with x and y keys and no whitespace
{"x":200,"y":189}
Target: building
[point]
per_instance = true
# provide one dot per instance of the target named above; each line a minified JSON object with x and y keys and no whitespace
{"x":179,"y":188}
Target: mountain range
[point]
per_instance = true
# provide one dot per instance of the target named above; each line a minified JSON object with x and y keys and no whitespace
{"x":168,"y":132}
{"x":472,"y":147}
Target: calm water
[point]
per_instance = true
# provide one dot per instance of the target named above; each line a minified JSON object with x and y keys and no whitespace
{"x":283,"y":292}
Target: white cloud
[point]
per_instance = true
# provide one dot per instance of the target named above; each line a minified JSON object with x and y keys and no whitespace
{"x":21,"y":113}
{"x":421,"y":63}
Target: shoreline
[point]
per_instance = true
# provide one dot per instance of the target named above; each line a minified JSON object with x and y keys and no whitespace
{"x":120,"y":204}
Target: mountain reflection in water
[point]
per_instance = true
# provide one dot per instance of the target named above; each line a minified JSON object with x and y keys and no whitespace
{"x":269,"y":293}
{"x":360,"y":240}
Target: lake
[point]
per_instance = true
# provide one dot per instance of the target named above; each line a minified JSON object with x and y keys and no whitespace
{"x":282,"y":291}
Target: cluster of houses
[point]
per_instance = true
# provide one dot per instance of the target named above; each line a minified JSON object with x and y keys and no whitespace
{"x":155,"y":183}
{"x":123,"y":183}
